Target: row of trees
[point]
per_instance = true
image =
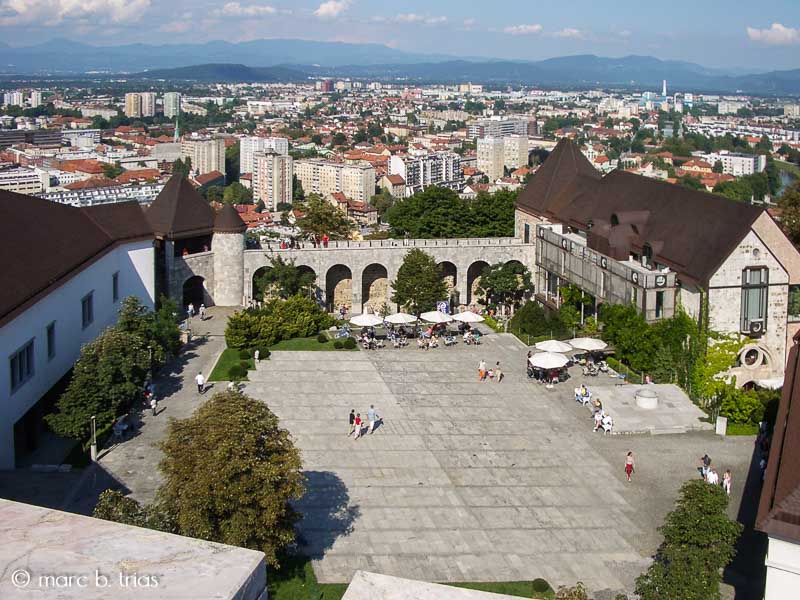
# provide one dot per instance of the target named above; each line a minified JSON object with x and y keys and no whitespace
{"x":108,"y":377}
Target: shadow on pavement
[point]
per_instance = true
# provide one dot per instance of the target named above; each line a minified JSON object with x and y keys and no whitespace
{"x":327,"y":513}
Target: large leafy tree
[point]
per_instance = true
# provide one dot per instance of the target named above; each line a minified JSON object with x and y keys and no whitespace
{"x":419,"y":284}
{"x":230,"y":475}
{"x":282,"y":279}
{"x":789,"y":203}
{"x":105,"y":382}
{"x":505,"y":284}
{"x":236,"y":193}
{"x":699,"y":541}
{"x":323,"y":218}
{"x":158,"y":330}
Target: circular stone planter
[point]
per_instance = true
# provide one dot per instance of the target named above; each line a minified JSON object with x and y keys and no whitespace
{"x":647,"y":399}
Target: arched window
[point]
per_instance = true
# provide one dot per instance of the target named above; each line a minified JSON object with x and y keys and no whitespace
{"x":647,"y":255}
{"x":614,"y":219}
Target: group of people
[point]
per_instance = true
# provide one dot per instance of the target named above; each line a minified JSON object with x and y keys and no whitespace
{"x":201,"y":311}
{"x":368,"y":339}
{"x":493,"y":374}
{"x":357,"y":424}
{"x":710,"y":475}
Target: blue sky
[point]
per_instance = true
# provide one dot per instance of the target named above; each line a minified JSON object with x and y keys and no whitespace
{"x":724,"y":33}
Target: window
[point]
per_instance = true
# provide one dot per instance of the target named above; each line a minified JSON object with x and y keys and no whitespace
{"x":754,"y":299}
{"x":659,"y":304}
{"x":21,"y":364}
{"x":115,"y":286}
{"x":51,"y":340}
{"x":527,"y":234}
{"x":794,"y":302}
{"x":87,"y":309}
{"x":647,"y":255}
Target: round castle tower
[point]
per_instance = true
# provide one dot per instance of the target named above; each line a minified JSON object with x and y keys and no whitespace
{"x":228,"y":246}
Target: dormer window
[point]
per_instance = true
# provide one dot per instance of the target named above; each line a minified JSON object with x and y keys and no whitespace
{"x":647,"y":255}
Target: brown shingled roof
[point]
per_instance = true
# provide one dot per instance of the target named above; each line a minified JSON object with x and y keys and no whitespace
{"x":179,"y":211}
{"x":779,"y":508}
{"x":45,"y":242}
{"x":228,"y":220}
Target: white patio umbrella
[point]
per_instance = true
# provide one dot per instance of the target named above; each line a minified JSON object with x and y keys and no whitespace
{"x":366,"y":320}
{"x":553,"y":346}
{"x":435,"y":316}
{"x":588,"y":344}
{"x":400,"y":319}
{"x":548,"y":360}
{"x":468,"y":317}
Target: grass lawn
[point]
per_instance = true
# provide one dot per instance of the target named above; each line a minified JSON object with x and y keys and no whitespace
{"x":304,"y":345}
{"x":228,"y":358}
{"x":742,"y":429}
{"x":296,"y":581}
{"x":788,"y":167}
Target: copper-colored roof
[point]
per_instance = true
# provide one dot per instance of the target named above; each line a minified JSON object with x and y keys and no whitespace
{"x":779,"y":508}
{"x":45,"y":242}
{"x":228,"y":220}
{"x":694,"y":231}
{"x":179,"y":211}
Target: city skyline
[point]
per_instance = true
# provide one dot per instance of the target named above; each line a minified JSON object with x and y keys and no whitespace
{"x":762,"y":37}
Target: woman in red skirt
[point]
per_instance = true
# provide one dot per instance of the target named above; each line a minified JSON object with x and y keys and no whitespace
{"x":629,"y":465}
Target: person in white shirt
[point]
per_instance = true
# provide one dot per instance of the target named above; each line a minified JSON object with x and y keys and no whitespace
{"x":712,"y":477}
{"x":201,"y":383}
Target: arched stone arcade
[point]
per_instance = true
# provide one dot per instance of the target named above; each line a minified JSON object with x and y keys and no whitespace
{"x":339,"y":287}
{"x":374,"y":287}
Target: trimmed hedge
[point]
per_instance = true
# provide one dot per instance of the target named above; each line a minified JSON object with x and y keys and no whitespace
{"x":322,"y":338}
{"x":245,"y":354}
{"x":349,"y":344}
{"x":338,"y":344}
{"x":237,"y":372}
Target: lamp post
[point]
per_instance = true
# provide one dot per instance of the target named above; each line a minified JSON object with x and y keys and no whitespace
{"x":93,"y":449}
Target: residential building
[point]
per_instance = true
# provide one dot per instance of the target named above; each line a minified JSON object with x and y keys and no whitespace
{"x":79,"y":264}
{"x":143,"y":194}
{"x":497,"y":127}
{"x":515,"y":151}
{"x":36,"y":99}
{"x":624,"y":238}
{"x":250,"y":145}
{"x":730,"y":107}
{"x":51,"y":138}
{"x":432,"y":168}
{"x":14,"y":99}
{"x":356,"y":181}
{"x":148,"y":102}
{"x":737,"y":164}
{"x":491,"y":157}
{"x":207,"y":153}
{"x":779,"y":508}
{"x":172,"y":104}
{"x":21,"y":181}
{"x":791,"y":110}
{"x":272,"y":178}
{"x":133,"y":105}
{"x":395,"y":184}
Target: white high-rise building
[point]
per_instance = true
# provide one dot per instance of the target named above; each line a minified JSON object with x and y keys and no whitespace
{"x":14,"y":99}
{"x":272,"y":178}
{"x":172,"y":104}
{"x":497,"y":127}
{"x":36,"y":99}
{"x":148,"y":104}
{"x":515,"y":151}
{"x":490,"y":157}
{"x":248,"y":146}
{"x":207,"y":154}
{"x":133,"y":105}
{"x":356,"y":181}
{"x":434,"y":168}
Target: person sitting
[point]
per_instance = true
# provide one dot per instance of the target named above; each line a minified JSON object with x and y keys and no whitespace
{"x":434,"y":343}
{"x":598,"y":420}
{"x":476,"y":337}
{"x":467,"y":338}
{"x":449,"y":340}
{"x":607,"y":424}
{"x":422,"y":344}
{"x":597,"y":406}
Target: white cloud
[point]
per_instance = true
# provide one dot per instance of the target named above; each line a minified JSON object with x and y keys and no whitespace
{"x":777,"y":35}
{"x":568,"y":32}
{"x":523,"y":29}
{"x":55,"y":12}
{"x":423,"y":19}
{"x":470,"y":22}
{"x":235,"y":9}
{"x":332,"y":9}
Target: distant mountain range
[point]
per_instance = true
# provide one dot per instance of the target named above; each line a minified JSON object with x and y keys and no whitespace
{"x":292,"y":60}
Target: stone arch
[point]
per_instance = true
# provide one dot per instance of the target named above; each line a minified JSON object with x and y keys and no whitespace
{"x":258,"y":293}
{"x":474,"y":278}
{"x":339,"y":287}
{"x":315,"y":291}
{"x":450,"y":277}
{"x":374,"y":287}
{"x":194,"y":291}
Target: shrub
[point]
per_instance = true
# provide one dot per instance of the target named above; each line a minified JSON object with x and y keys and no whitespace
{"x":349,"y":344}
{"x":244,"y":354}
{"x":244,"y":364}
{"x":322,"y":338}
{"x":541,"y":586}
{"x":237,"y":373}
{"x":263,"y":353}
{"x":532,"y":320}
{"x":338,"y":344}
{"x":740,"y":406}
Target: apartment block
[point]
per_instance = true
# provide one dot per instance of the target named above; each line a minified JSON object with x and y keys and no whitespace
{"x":172,"y":104}
{"x":207,"y":154}
{"x":272,"y":178}
{"x":249,"y":146}
{"x":133,"y":105}
{"x":324,"y":178}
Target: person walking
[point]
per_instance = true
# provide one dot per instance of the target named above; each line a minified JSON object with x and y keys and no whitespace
{"x":357,"y":426}
{"x":629,"y":465}
{"x":705,"y":464}
{"x":371,"y":416}
{"x":257,"y":356}
{"x":201,"y":383}
{"x":482,"y":370}
{"x":190,"y":310}
{"x":727,"y":480}
{"x":712,"y":477}
{"x":498,"y":374}
{"x":154,"y":404}
{"x":352,"y":422}
{"x":202,"y":312}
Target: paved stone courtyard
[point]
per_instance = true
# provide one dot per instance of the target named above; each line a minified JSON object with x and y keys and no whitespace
{"x":469,"y":481}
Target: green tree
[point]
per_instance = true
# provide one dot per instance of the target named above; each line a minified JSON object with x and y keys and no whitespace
{"x":316,"y":139}
{"x":260,"y":206}
{"x":183,"y":167}
{"x":382,"y":202}
{"x":691,"y":182}
{"x":718,"y":167}
{"x":158,"y":330}
{"x":339,"y":139}
{"x":789,"y":203}
{"x":112,"y":505}
{"x":419,"y":284}
{"x":720,"y":355}
{"x":236,"y":193}
{"x":699,"y":541}
{"x":231,"y":474}
{"x":323,"y":218}
{"x":112,"y":171}
{"x":106,"y":380}
{"x":232,"y":163}
{"x":282,"y":279}
{"x":297,"y":189}
{"x":505,"y":284}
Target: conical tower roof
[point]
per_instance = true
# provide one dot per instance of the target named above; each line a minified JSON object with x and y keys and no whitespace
{"x":228,"y":221}
{"x":179,"y":211}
